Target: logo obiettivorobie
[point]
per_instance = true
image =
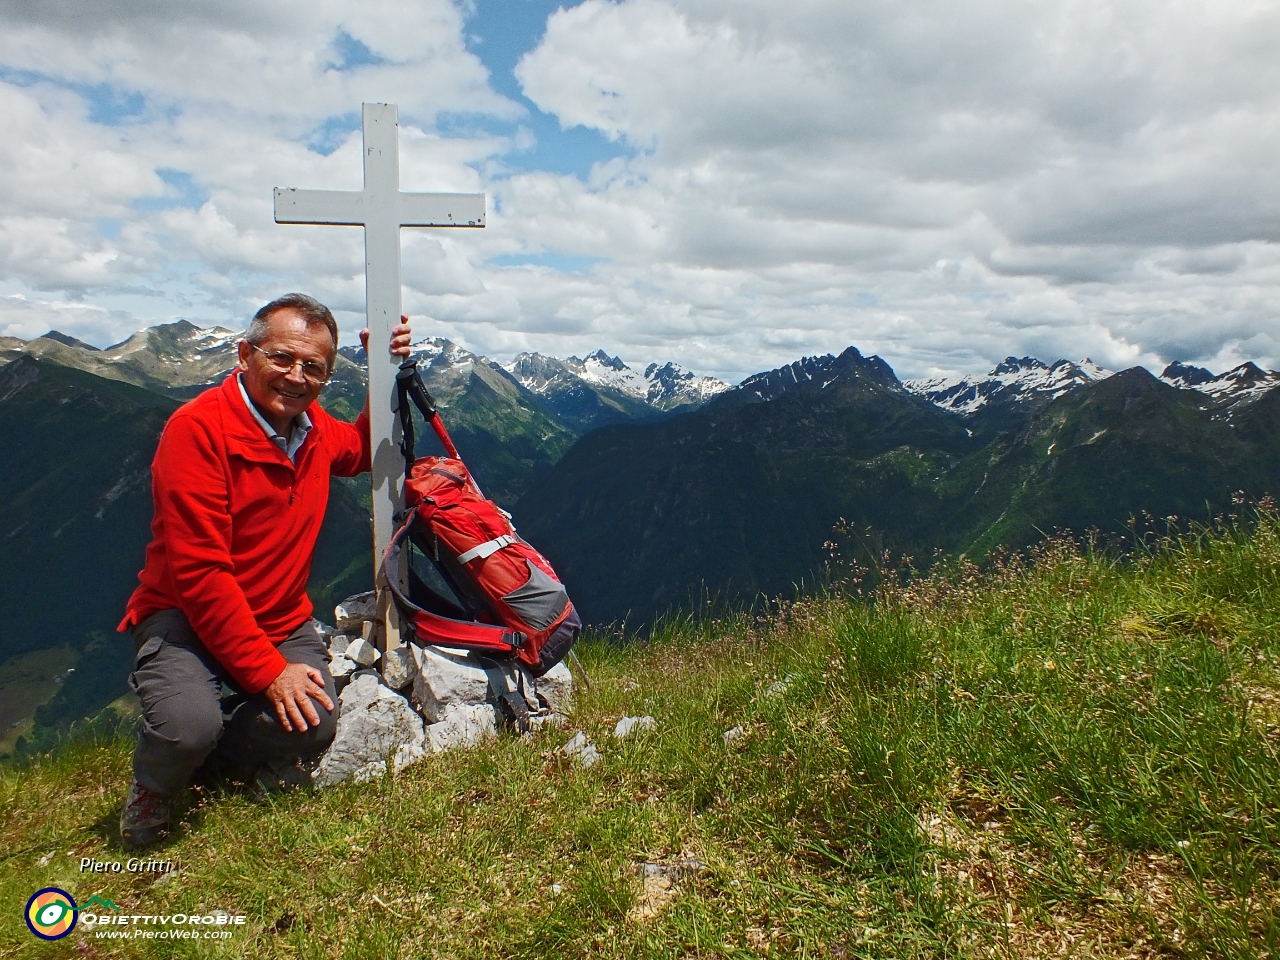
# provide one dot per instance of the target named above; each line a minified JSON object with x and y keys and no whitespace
{"x":51,"y":913}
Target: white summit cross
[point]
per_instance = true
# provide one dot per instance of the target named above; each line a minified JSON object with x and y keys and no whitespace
{"x":382,"y":210}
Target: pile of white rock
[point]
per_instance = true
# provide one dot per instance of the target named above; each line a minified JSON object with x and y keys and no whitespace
{"x":421,"y":700}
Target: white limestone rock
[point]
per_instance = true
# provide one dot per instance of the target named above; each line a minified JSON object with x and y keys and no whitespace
{"x":362,"y":652}
{"x":376,"y":724}
{"x":338,"y":644}
{"x":463,"y":726}
{"x":579,"y":747}
{"x":777,"y":689}
{"x":352,"y":612}
{"x":444,"y":679}
{"x":399,"y":667}
{"x":555,"y":689}
{"x":326,"y":632}
{"x":342,"y":669}
{"x":629,"y":725}
{"x":733,"y":735}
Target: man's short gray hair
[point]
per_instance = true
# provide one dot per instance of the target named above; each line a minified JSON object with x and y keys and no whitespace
{"x":309,"y":308}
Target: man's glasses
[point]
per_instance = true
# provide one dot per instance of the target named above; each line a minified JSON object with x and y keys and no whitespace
{"x":316,"y":373}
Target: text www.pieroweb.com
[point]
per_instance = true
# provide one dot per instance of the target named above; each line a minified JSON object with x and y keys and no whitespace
{"x":170,"y":926}
{"x":136,"y":934}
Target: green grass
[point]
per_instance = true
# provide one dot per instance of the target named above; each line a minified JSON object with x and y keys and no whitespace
{"x":1059,"y":756}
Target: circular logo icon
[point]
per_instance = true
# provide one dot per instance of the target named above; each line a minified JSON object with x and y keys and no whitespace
{"x":52,"y":913}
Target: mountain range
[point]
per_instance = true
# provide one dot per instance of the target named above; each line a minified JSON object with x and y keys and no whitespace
{"x":645,"y":489}
{"x":739,"y":497}
{"x":1026,"y":380}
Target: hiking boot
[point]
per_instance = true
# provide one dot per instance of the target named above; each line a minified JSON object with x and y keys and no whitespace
{"x":145,"y":820}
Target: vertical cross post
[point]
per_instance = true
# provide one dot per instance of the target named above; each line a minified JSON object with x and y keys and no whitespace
{"x":382,"y":210}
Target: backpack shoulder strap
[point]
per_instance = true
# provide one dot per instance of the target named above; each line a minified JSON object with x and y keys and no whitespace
{"x":434,"y":628}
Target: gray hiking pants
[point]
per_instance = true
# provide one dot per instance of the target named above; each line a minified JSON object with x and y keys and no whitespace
{"x":183,"y":720}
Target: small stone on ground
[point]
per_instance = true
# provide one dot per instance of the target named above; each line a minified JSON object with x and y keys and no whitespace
{"x":629,"y":725}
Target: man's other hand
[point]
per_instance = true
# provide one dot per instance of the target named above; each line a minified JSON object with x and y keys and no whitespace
{"x":291,"y":693}
{"x":401,"y":335}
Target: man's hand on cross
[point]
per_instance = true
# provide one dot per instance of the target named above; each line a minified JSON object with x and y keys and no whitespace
{"x":401,"y":336}
{"x":291,"y":693}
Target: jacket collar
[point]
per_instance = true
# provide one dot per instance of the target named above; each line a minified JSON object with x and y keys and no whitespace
{"x":246,"y":433}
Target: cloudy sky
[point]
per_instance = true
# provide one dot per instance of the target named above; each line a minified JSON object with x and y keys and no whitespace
{"x":726,"y":183}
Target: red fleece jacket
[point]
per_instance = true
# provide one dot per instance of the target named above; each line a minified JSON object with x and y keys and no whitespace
{"x":235,"y":527}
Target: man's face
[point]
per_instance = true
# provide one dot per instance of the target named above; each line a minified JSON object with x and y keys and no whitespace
{"x":279,"y":396}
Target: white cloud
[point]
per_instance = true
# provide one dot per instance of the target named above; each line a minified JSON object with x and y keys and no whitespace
{"x":943,"y":184}
{"x":1059,"y":152}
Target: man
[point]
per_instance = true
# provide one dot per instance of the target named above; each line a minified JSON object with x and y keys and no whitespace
{"x":240,"y":482}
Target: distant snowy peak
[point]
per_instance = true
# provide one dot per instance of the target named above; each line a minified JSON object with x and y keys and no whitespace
{"x":671,"y":385}
{"x":602,"y":370}
{"x":1014,"y":380}
{"x":535,"y":372}
{"x":438,"y":352}
{"x":1242,"y":384}
{"x":430,"y":352}
{"x":1185,"y":376}
{"x":664,"y":387}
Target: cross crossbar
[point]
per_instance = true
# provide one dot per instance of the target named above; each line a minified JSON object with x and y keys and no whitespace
{"x":351,"y":209}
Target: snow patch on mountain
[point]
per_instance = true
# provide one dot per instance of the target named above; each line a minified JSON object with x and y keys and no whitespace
{"x":438,"y":352}
{"x":1015,"y":380}
{"x":664,"y":386}
{"x":602,"y":370}
{"x":429,"y":352}
{"x":1242,"y":384}
{"x":773,"y":383}
{"x":671,"y":385}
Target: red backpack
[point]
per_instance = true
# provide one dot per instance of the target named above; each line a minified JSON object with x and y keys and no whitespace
{"x":472,"y":582}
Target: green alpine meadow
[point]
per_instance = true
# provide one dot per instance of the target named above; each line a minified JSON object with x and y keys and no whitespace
{"x":1066,"y":752}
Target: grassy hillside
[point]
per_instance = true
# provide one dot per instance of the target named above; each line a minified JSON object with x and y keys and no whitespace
{"x":75,"y":500}
{"x":1059,"y":757}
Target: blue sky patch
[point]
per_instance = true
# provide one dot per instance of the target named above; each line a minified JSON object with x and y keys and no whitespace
{"x":563,"y":262}
{"x":500,"y":32}
{"x":183,"y":193}
{"x":353,"y":53}
{"x":111,"y":106}
{"x":108,"y":104}
{"x":333,"y":133}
